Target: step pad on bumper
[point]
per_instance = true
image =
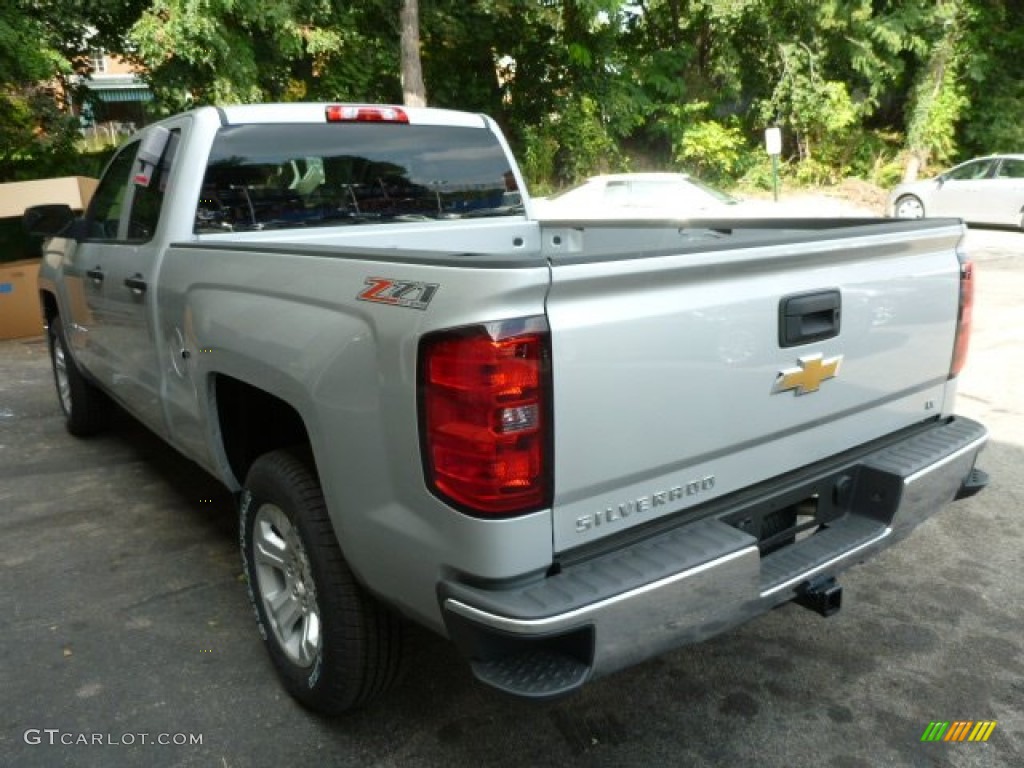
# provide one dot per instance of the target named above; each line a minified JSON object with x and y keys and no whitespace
{"x":793,"y":564}
{"x":537,"y":673}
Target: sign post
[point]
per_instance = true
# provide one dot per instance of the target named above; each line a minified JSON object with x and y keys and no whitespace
{"x":773,"y":143}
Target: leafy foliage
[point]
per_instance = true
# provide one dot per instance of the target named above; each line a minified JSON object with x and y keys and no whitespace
{"x":712,"y":149}
{"x":223,"y":51}
{"x":579,"y":86}
{"x":34,"y":134}
{"x":993,"y":73}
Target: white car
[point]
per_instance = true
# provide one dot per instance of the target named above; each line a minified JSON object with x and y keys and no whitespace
{"x":636,"y":196}
{"x":986,"y":190}
{"x":654,"y":196}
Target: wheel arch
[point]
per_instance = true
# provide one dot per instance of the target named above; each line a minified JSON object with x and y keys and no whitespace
{"x":252,"y":422}
{"x":48,"y":305}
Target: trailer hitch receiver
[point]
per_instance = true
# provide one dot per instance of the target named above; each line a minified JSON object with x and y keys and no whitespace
{"x":823,"y":596}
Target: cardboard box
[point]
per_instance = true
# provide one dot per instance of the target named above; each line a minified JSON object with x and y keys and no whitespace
{"x":20,"y":313}
{"x":16,"y":196}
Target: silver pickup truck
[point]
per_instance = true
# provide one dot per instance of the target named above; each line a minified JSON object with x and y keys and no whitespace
{"x":565,"y":446}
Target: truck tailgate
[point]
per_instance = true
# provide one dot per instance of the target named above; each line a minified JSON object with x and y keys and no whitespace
{"x":703,"y":361}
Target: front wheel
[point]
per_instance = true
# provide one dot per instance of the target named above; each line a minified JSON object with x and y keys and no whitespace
{"x":83,"y":405}
{"x":909,"y":207}
{"x":334,"y":646}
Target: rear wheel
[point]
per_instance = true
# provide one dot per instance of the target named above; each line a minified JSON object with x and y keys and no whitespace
{"x":84,"y":406}
{"x":334,"y":646}
{"x":909,"y":207}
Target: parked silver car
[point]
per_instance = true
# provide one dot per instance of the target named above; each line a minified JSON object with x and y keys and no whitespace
{"x":986,"y":190}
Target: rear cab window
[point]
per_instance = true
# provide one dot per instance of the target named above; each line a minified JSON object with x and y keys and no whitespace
{"x":289,"y":176}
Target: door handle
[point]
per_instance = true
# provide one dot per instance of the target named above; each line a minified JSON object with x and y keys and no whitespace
{"x":809,"y":317}
{"x":96,"y":274}
{"x":136,"y":283}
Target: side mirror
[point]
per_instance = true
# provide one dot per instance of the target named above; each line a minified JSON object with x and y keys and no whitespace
{"x":47,"y":220}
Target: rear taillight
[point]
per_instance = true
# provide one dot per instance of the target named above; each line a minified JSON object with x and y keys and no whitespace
{"x":345,"y":113}
{"x":485,"y":416}
{"x":964,"y":316}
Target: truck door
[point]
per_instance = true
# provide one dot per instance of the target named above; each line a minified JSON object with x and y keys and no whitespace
{"x":116,"y":259}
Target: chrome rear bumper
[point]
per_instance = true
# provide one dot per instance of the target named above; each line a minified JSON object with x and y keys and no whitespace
{"x":694,"y":581}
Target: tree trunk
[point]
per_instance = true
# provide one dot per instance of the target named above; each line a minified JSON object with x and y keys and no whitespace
{"x":912,"y":167}
{"x":925,"y":121}
{"x":413,"y":92}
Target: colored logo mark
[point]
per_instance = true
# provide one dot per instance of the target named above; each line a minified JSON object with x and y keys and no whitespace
{"x":959,"y":730}
{"x":807,"y":377}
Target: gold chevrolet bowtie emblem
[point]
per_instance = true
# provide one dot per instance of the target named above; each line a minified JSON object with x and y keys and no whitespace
{"x":812,"y":370}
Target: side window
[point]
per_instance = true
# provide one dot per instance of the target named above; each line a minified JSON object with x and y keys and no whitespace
{"x":970,"y":171}
{"x":1011,"y":169}
{"x":121,"y":186}
{"x":104,"y":214}
{"x":148,"y":199}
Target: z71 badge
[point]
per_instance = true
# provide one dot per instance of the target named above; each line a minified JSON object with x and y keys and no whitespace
{"x":398,"y":293}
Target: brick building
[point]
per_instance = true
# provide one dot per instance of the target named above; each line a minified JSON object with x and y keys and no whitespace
{"x":111,"y":100}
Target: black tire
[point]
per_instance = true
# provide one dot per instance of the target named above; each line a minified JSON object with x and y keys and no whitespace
{"x":334,"y":646}
{"x":84,"y":406}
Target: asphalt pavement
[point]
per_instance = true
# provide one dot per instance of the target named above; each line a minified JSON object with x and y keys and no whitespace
{"x":126,"y":637}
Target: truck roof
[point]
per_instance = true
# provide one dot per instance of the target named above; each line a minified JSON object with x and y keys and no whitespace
{"x":305,"y":112}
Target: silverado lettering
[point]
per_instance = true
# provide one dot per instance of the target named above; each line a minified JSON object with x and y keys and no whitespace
{"x":644,"y":503}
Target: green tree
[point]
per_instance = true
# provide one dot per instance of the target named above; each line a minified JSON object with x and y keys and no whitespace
{"x":993,"y":73}
{"x":224,"y":51}
{"x":713,"y":149}
{"x":938,"y":97}
{"x":578,"y":85}
{"x":35,"y":136}
{"x":549,"y":72}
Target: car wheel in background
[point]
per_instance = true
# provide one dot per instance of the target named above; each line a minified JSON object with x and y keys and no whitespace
{"x":909,"y":207}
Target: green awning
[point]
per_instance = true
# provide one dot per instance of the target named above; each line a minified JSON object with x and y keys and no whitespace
{"x":118,"y":95}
